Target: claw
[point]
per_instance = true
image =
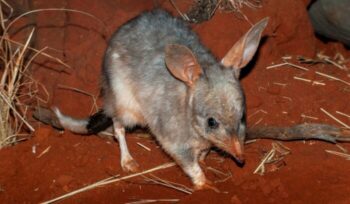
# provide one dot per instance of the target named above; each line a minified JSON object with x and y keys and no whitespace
{"x":207,"y":185}
{"x":130,"y":165}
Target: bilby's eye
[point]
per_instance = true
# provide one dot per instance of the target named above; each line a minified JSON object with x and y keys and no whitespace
{"x":212,"y":123}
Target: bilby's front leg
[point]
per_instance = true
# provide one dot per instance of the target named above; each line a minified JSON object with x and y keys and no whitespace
{"x":188,"y":160}
{"x":127,"y":162}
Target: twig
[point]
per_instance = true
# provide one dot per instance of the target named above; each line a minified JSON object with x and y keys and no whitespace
{"x":318,"y":83}
{"x":250,"y":141}
{"x":280,"y":84}
{"x":281,"y":148}
{"x":334,"y":118}
{"x":184,"y":16}
{"x":94,"y":99}
{"x":341,"y":148}
{"x":257,"y":122}
{"x":216,"y":7}
{"x":297,"y":66}
{"x":261,"y":165}
{"x":8,"y":138}
{"x":10,"y":14}
{"x":52,"y":9}
{"x":309,"y":81}
{"x":302,"y":79}
{"x":176,"y":186}
{"x":110,"y":180}
{"x":343,"y":114}
{"x":225,"y":176}
{"x":217,"y":171}
{"x":276,"y":154}
{"x":327,"y":59}
{"x":309,"y":117}
{"x":41,"y":53}
{"x":287,"y":63}
{"x":340,"y":154}
{"x":332,"y":77}
{"x":141,"y":145}
{"x":276,"y":65}
{"x":44,"y":152}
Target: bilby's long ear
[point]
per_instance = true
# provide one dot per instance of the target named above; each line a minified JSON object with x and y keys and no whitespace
{"x":243,"y":51}
{"x":182,"y":63}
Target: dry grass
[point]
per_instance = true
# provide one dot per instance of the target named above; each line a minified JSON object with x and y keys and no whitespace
{"x":335,"y":118}
{"x":339,"y":154}
{"x":18,"y":90}
{"x":109,"y":180}
{"x":94,"y":106}
{"x":13,"y":79}
{"x":274,"y":158}
{"x":338,"y":60}
{"x":179,"y":187}
{"x":203,"y":10}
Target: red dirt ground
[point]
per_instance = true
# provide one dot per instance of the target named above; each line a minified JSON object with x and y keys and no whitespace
{"x":310,"y":175}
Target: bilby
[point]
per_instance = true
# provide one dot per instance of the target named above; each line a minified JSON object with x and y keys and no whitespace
{"x":157,"y":73}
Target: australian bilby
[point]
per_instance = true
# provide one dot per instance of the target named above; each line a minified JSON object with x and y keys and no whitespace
{"x":157,"y":73}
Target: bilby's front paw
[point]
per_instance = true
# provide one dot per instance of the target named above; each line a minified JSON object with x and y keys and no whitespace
{"x":206,"y":185}
{"x":130,"y":165}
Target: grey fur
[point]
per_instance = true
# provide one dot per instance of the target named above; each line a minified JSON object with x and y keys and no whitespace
{"x":176,"y":114}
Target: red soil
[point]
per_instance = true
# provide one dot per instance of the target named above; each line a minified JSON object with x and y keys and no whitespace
{"x":310,"y":175}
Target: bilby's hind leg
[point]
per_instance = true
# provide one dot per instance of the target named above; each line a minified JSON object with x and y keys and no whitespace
{"x":127,"y":162}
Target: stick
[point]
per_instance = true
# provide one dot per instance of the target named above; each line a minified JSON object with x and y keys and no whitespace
{"x":257,"y":122}
{"x":340,"y":154}
{"x":250,"y":141}
{"x":341,"y":148}
{"x":343,"y":114}
{"x":302,"y":79}
{"x":41,"y":53}
{"x":280,"y":84}
{"x":44,"y":152}
{"x":169,"y":184}
{"x":268,"y":155}
{"x":217,"y":171}
{"x":94,"y":100}
{"x":288,"y":63}
{"x":297,"y":66}
{"x":52,"y":9}
{"x":334,"y":118}
{"x":141,"y":145}
{"x":108,"y":181}
{"x":276,"y":65}
{"x":332,"y":77}
{"x":310,"y":117}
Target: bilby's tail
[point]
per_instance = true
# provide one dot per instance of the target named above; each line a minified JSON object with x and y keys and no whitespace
{"x":91,"y":125}
{"x":301,"y":132}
